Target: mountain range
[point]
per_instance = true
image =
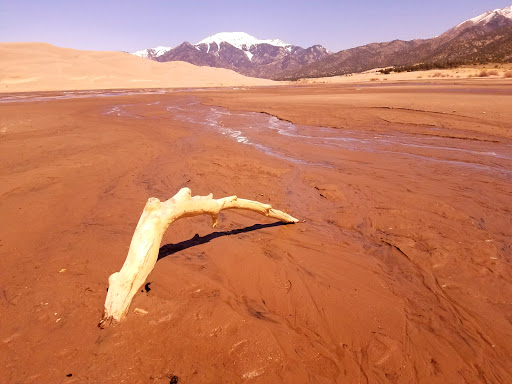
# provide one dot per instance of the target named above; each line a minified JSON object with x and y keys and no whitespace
{"x":484,"y":38}
{"x":240,"y":52}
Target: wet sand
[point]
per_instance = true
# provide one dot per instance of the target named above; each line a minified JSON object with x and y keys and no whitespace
{"x":400,"y":272}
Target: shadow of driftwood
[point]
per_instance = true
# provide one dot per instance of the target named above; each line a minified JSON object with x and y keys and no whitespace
{"x":169,"y":249}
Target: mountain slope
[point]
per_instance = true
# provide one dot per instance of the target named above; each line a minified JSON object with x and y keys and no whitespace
{"x":488,"y":17}
{"x":240,"y":52}
{"x":487,"y":37}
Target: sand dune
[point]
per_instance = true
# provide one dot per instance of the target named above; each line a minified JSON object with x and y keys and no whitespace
{"x":28,"y":67}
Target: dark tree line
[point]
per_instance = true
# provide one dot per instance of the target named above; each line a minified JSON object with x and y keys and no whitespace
{"x":437,"y":65}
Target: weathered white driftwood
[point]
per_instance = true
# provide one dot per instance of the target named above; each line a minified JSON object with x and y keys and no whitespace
{"x":154,"y":221}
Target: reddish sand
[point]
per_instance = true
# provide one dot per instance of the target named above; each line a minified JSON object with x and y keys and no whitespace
{"x":400,"y":273}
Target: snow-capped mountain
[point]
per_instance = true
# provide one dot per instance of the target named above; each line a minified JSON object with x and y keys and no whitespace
{"x":242,"y":41}
{"x":152,"y":53}
{"x":241,"y":52}
{"x":487,"y":17}
{"x":485,"y":23}
{"x":482,"y":39}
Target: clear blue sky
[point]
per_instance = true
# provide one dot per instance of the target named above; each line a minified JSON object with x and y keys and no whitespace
{"x":132,"y":25}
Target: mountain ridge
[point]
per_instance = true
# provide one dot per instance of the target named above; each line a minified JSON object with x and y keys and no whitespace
{"x":483,"y":38}
{"x":241,"y":52}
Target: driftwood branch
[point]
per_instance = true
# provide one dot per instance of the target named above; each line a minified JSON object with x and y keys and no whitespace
{"x":154,"y":221}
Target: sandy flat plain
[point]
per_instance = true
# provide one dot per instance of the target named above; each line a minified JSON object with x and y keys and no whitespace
{"x":478,"y":72}
{"x":399,"y":271}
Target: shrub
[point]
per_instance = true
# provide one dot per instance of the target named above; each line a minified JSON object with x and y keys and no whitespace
{"x":374,"y":79}
{"x":386,"y":71}
{"x":483,"y":73}
{"x":437,"y":74}
{"x":508,"y":75}
{"x":493,"y":73}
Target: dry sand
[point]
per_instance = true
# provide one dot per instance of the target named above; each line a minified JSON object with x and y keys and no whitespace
{"x":400,"y":273}
{"x":495,"y":72}
{"x":43,"y":67}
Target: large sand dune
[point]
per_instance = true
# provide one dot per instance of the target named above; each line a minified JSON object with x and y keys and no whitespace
{"x":28,"y":67}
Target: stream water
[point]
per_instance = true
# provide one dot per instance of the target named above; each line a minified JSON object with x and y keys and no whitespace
{"x":269,"y":134}
{"x":290,"y":142}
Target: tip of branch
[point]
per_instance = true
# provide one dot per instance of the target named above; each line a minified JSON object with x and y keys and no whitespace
{"x":215,"y":221}
{"x":105,"y":322}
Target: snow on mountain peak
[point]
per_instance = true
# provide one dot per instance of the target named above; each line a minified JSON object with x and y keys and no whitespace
{"x":143,"y":53}
{"x":507,"y":12}
{"x":157,"y":51}
{"x":485,"y":17}
{"x":241,"y":40}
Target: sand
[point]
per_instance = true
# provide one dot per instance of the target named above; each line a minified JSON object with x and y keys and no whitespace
{"x":473,"y":73}
{"x":425,"y":108}
{"x":400,"y":272}
{"x":43,"y":67}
